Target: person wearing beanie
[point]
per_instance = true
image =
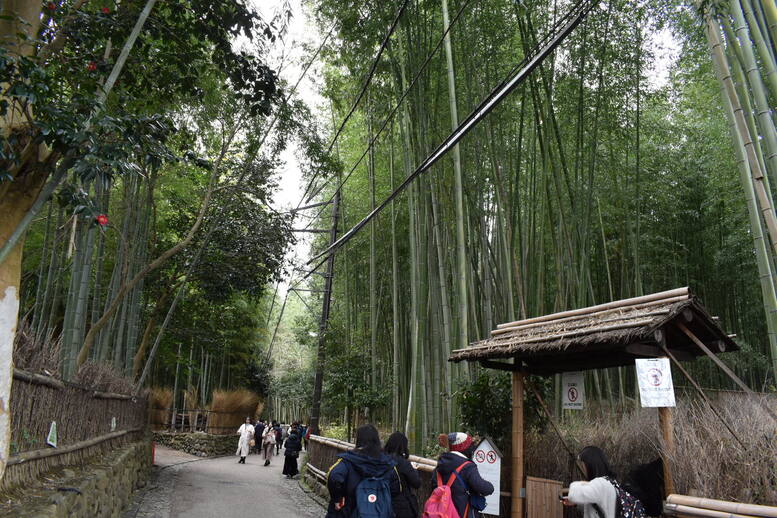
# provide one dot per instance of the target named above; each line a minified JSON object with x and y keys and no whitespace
{"x":467,"y":482}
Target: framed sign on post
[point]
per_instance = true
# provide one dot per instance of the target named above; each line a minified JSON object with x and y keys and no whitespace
{"x":488,"y":459}
{"x":573,"y":390}
{"x":655,"y":382}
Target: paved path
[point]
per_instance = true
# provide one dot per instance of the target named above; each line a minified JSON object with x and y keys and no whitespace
{"x":185,"y":486}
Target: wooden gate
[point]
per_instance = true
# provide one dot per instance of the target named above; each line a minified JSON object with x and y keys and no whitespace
{"x":542,"y":498}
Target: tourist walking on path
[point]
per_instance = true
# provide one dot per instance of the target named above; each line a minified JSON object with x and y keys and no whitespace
{"x":365,"y":461}
{"x":597,"y":493}
{"x":246,"y":433}
{"x":292,"y":447}
{"x":258,"y":432}
{"x":456,"y":470}
{"x":268,"y":443}
{"x":405,"y":504}
{"x":278,"y":436}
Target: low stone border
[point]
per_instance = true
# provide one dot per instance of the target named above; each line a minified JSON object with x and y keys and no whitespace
{"x":198,"y":443}
{"x":97,"y":489}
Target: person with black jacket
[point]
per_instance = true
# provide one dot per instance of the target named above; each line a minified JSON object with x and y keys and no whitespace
{"x":291,"y":451}
{"x":406,"y":503}
{"x":467,"y":482}
{"x":367,"y":460}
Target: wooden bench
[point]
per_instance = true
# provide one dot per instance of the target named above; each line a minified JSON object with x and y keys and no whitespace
{"x":692,"y":506}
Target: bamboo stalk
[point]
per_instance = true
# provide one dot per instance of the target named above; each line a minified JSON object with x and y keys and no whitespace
{"x":684,"y":510}
{"x":722,"y":505}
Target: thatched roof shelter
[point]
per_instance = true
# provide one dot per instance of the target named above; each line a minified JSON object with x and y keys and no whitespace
{"x":607,"y":335}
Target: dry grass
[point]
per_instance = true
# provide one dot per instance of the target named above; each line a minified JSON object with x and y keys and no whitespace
{"x":35,"y":354}
{"x":103,"y":377}
{"x":708,"y":460}
{"x":229,"y":409}
{"x":159,"y":402}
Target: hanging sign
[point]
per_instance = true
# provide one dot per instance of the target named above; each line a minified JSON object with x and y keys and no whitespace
{"x":655,"y":382}
{"x":489,"y":462}
{"x":51,"y":440}
{"x":572,"y":390}
{"x":113,"y":424}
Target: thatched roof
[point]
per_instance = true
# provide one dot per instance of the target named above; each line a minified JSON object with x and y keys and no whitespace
{"x":606,"y":335}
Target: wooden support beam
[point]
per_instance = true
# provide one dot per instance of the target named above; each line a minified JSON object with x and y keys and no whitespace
{"x":500,"y":366}
{"x":667,"y":432}
{"x":517,"y":485}
{"x":655,"y":352}
{"x":724,"y":367}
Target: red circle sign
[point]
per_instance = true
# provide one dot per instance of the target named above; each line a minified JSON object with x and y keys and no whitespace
{"x":372,"y":499}
{"x":655,"y":376}
{"x":480,"y":456}
{"x":572,"y":394}
{"x":491,"y":457}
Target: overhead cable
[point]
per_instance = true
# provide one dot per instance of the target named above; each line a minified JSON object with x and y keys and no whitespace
{"x":528,"y":64}
{"x":363,"y":90}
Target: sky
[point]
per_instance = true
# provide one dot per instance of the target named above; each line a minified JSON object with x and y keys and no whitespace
{"x":291,"y":57}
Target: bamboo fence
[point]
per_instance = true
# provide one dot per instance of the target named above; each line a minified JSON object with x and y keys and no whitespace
{"x":84,"y":422}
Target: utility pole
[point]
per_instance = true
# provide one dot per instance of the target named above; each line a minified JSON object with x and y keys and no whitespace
{"x":315,"y":410}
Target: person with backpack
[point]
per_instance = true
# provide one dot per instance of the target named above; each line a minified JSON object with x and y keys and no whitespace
{"x":363,"y":482}
{"x":600,"y":494}
{"x":292,"y":447}
{"x":405,"y":504}
{"x":457,"y":479}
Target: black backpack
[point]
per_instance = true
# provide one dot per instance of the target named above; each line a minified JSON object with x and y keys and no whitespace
{"x":626,"y":504}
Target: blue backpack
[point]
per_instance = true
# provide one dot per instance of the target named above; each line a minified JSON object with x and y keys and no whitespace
{"x":373,"y":497}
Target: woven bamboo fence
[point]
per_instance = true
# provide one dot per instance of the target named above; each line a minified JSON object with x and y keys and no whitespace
{"x":88,"y":423}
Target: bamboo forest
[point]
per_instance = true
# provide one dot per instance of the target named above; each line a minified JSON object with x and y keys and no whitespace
{"x":334,"y":209}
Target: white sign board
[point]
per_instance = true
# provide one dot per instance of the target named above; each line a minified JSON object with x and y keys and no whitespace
{"x":572,"y":390}
{"x":51,"y":440}
{"x":489,"y":463}
{"x":655,"y":382}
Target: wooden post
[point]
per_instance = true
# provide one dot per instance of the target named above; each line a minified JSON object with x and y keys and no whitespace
{"x":517,"y":487}
{"x":667,"y":432}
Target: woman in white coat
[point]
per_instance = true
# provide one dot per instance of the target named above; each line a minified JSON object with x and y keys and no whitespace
{"x":596,"y":494}
{"x":246,"y":433}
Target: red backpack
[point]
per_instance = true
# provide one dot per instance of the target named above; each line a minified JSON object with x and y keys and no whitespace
{"x":440,"y":502}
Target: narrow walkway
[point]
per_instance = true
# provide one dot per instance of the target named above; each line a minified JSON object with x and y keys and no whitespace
{"x":185,"y":486}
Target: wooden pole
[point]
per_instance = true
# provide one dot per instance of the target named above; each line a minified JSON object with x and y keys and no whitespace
{"x":667,"y":432}
{"x":517,"y":491}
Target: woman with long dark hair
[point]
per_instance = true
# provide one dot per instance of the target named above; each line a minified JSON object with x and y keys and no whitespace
{"x":366,"y":460}
{"x":405,"y":504}
{"x":596,"y":493}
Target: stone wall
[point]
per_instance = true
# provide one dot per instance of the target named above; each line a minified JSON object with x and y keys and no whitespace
{"x":97,"y":489}
{"x":199,"y":443}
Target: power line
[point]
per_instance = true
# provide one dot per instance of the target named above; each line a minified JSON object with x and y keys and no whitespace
{"x":393,"y":112}
{"x":366,"y":84}
{"x":524,"y":68}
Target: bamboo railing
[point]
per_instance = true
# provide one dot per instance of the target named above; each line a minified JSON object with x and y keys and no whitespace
{"x":691,"y":506}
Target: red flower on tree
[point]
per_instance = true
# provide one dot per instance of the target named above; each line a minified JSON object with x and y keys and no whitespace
{"x":92,"y":66}
{"x":51,"y":6}
{"x":102,"y":220}
{"x":105,"y":10}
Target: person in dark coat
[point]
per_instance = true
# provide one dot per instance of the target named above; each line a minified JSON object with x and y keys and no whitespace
{"x":258,"y":430}
{"x":406,"y":504}
{"x":366,"y":460}
{"x":291,"y":451}
{"x":468,"y":481}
